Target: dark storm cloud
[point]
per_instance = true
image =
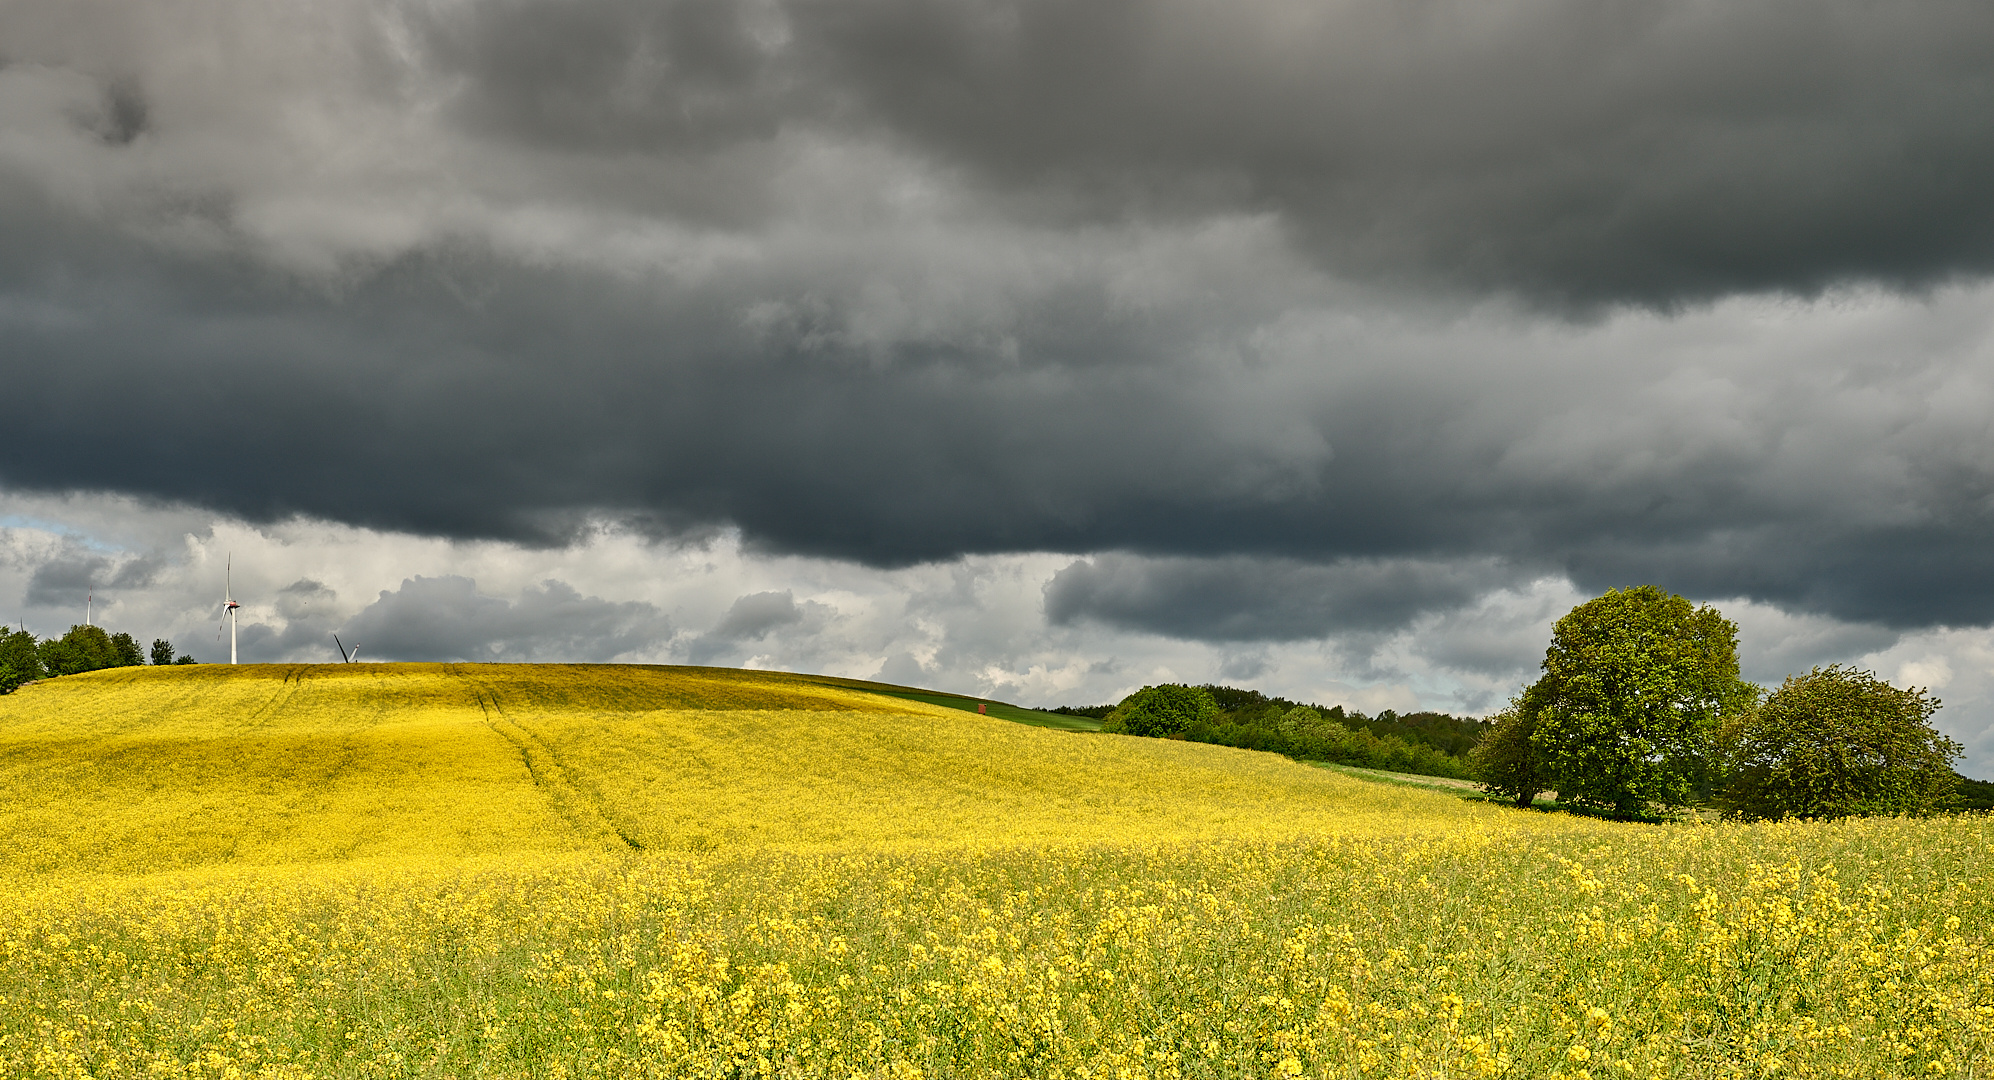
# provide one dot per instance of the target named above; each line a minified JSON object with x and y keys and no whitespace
{"x":1573,"y":151}
{"x":896,"y":280}
{"x":446,"y":618}
{"x":1261,"y":599}
{"x":559,"y":395}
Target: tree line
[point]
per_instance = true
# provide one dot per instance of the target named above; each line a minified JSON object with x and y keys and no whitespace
{"x":24,"y":658}
{"x":1640,"y":710}
{"x":1427,"y":743}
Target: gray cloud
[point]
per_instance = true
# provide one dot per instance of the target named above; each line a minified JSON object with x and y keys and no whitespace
{"x":1490,"y":651}
{"x":61,"y":582}
{"x":124,"y":115}
{"x":446,"y":618}
{"x":752,"y":618}
{"x":1246,"y":599}
{"x":62,"y":579}
{"x":903,"y":669}
{"x":617,"y":77}
{"x":1571,"y":149}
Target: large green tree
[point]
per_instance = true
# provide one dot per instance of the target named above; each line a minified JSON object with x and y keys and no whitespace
{"x":125,"y":651}
{"x":1837,"y":742}
{"x":1635,"y":686}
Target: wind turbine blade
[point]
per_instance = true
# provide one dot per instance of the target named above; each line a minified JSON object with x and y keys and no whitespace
{"x":343,"y":655}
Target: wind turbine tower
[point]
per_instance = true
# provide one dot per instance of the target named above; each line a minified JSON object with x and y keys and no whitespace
{"x":228,"y":607}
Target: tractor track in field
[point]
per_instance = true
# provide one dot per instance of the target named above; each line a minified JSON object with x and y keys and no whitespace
{"x":571,"y":797}
{"x":279,"y":697}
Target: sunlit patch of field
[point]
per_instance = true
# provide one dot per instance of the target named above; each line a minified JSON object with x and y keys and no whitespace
{"x":425,"y":871}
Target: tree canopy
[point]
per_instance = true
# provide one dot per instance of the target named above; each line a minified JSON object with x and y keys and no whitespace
{"x":1836,"y":742}
{"x":1635,"y":685}
{"x":83,"y":648}
{"x":1163,"y":710}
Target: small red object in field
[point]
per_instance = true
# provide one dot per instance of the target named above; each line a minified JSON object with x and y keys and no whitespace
{"x":983,"y":708}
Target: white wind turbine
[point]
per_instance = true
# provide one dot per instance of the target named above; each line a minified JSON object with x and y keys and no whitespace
{"x":228,"y":607}
{"x":345,"y":654}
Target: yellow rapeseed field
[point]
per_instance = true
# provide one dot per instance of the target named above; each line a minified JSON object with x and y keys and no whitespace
{"x":491,"y":871}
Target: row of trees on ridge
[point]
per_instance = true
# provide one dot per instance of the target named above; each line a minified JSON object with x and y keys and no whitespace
{"x":24,"y":658}
{"x":1431,"y":744}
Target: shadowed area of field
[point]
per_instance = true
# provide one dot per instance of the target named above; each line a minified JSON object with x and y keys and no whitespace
{"x":144,"y":769}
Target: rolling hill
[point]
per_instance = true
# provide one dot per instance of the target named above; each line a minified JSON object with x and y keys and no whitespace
{"x":135,"y":770}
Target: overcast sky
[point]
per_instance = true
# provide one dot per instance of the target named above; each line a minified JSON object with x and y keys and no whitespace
{"x":1030,"y":348}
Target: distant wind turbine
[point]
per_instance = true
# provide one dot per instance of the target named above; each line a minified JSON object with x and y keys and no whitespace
{"x":87,"y":598}
{"x":349,"y":657}
{"x":228,"y":607}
